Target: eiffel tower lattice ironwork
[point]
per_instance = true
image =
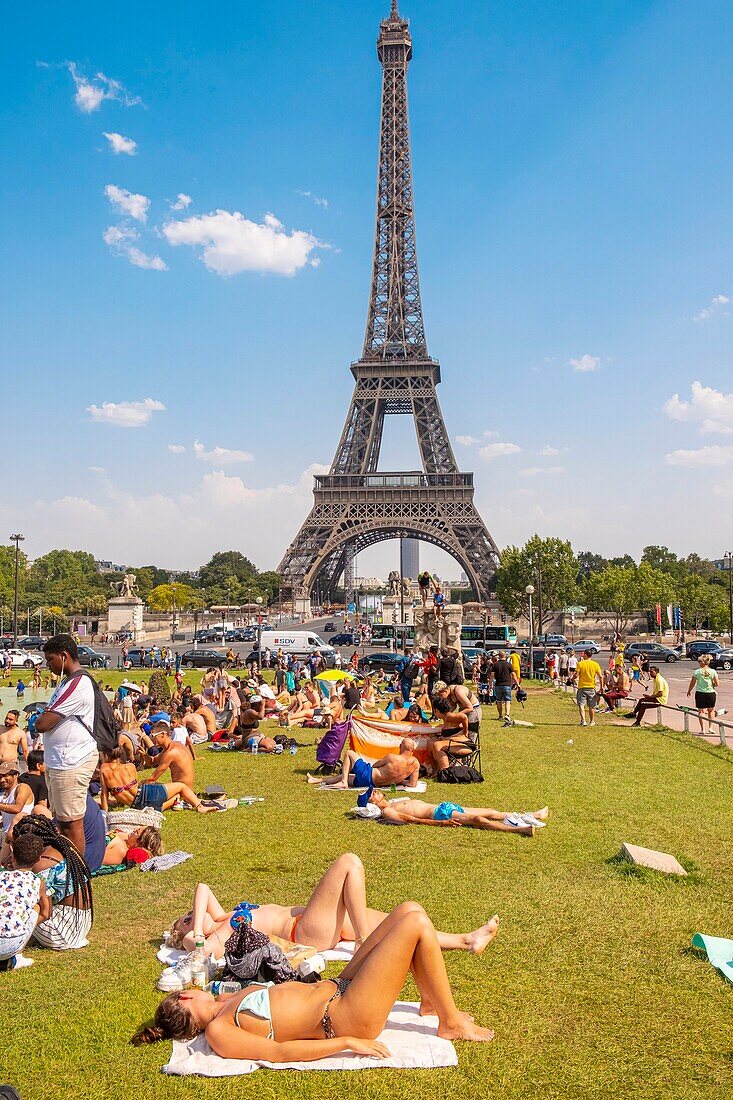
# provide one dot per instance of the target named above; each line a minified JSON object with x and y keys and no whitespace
{"x":355,"y":505}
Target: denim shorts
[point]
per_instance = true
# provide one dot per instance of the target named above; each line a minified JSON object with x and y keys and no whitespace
{"x":503,"y":693}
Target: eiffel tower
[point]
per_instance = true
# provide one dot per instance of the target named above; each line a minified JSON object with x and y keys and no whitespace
{"x":355,"y":505}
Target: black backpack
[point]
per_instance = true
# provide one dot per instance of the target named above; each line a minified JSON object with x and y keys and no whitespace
{"x":104,"y":729}
{"x":459,"y":773}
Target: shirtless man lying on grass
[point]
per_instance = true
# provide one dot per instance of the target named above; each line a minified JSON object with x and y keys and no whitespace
{"x":411,"y":811}
{"x":393,"y":770}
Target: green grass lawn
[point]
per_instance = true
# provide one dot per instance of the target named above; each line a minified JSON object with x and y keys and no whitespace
{"x":590,"y":985}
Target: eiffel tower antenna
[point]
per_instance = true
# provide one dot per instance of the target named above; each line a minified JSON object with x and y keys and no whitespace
{"x":355,"y":505}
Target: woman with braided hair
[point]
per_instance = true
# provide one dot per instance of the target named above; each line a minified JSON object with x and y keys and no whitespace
{"x":69,"y":885}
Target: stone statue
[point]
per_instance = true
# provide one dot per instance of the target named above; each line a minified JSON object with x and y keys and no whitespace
{"x":406,"y":586}
{"x":393,"y":582}
{"x":126,"y":587}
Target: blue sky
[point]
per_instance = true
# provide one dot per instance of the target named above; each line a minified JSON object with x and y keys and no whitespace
{"x":572,"y":167}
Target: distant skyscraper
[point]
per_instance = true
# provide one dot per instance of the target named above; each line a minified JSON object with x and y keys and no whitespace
{"x":411,"y":558}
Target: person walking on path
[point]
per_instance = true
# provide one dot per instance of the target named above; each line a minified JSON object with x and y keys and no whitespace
{"x":704,"y":681}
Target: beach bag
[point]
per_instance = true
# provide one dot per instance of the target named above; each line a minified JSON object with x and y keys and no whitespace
{"x":459,"y":773}
{"x":105,"y":727}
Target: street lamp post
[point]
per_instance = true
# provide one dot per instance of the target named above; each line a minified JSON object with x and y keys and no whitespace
{"x":17,"y":539}
{"x":530,"y":592}
{"x":729,"y":554}
{"x":258,"y":601}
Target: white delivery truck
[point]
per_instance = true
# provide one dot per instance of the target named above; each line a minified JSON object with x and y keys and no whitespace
{"x":298,"y":642}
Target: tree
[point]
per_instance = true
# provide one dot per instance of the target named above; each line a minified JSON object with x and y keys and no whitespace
{"x":549,"y":561}
{"x":659,"y":557}
{"x":588,"y":563}
{"x":698,"y":600}
{"x":165,"y":596}
{"x":226,"y":564}
{"x":618,"y":592}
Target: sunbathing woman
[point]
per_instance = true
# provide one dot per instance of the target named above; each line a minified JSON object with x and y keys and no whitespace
{"x":302,"y":1022}
{"x":146,"y":839}
{"x":304,"y":706}
{"x":337,"y":910}
{"x":120,"y":782}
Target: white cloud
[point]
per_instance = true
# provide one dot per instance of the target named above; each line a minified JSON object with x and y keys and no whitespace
{"x":98,"y":469}
{"x":221,"y":456}
{"x":467,"y":440}
{"x":497,"y":450}
{"x":704,"y":456}
{"x":180,"y":529}
{"x":127,"y":202}
{"x":182,"y":202}
{"x":314,"y":198}
{"x":142,"y":259}
{"x":119,"y":144}
{"x":716,"y":304}
{"x":710,"y":408}
{"x":176,"y":448}
{"x":92,"y":92}
{"x":536,"y":471}
{"x":232,"y":243}
{"x":489,"y":434}
{"x":120,"y":238}
{"x":585,"y":364}
{"x":126,"y":414}
{"x":548,"y":452}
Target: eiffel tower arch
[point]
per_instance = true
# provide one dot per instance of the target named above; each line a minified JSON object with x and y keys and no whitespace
{"x":356,"y":505}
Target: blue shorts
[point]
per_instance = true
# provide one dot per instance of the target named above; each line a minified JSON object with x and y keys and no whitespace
{"x":503,"y":693}
{"x":150,"y":794}
{"x":444,"y":812}
{"x":362,"y":773}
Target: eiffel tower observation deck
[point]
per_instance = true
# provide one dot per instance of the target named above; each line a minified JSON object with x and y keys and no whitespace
{"x":355,"y":504}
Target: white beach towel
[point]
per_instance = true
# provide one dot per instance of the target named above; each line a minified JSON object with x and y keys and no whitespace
{"x":344,"y":951}
{"x":412,"y":1041}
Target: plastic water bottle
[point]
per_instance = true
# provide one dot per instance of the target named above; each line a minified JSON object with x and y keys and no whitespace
{"x":220,"y":989}
{"x":293,"y":750}
{"x":199,"y":968}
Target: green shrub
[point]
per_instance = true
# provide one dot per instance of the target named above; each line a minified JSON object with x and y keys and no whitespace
{"x":159,"y":689}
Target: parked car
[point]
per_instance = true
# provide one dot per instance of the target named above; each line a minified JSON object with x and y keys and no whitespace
{"x":722,"y":659}
{"x":203,"y":658}
{"x":696,"y":648}
{"x":209,"y":635}
{"x":139,"y":657}
{"x":90,"y":657}
{"x":551,"y":639}
{"x":587,"y":643}
{"x":31,"y":641}
{"x":373,"y":661}
{"x":653,"y":650}
{"x":240,"y":634}
{"x":21,"y":658}
{"x":345,"y":639}
{"x":329,"y":628}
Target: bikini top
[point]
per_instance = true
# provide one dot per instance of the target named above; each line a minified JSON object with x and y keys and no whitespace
{"x":257,"y":1003}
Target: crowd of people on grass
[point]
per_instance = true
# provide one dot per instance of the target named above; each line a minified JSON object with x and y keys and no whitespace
{"x":60,"y":780}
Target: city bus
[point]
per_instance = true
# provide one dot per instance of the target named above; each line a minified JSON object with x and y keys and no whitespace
{"x":397,"y":636}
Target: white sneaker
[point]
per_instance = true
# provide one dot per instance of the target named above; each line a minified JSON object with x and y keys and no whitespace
{"x":20,"y":961}
{"x":175,"y":978}
{"x":583,"y":722}
{"x":530,"y":819}
{"x":592,"y":723}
